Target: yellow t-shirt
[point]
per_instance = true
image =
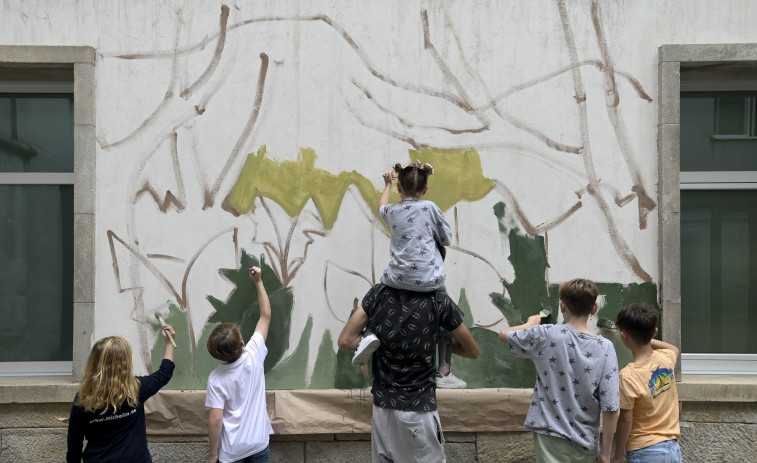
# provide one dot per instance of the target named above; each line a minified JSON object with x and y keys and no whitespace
{"x":649,"y":389}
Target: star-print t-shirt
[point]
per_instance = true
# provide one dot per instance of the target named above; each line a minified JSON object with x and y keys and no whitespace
{"x":576,"y":379}
{"x":404,"y":365}
{"x":415,"y":262}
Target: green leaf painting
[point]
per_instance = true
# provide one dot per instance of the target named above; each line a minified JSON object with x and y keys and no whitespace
{"x":242,"y":307}
{"x":192,"y":366}
{"x":529,"y":293}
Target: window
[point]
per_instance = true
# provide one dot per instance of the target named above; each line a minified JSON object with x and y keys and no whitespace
{"x":59,"y":73}
{"x":718,"y":226}
{"x":36,"y":225}
{"x":706,"y":185}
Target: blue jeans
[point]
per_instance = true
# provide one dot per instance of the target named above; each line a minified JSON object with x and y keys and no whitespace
{"x":260,"y":457}
{"x":664,"y":452}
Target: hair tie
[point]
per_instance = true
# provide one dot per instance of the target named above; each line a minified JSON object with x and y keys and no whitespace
{"x":426,"y":168}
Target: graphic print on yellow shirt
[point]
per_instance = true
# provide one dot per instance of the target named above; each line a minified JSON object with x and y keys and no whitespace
{"x":662,"y":379}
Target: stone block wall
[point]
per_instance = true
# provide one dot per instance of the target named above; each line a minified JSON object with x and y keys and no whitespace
{"x":711,"y":432}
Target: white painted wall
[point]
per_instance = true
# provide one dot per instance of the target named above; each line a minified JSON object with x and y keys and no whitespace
{"x":311,"y":100}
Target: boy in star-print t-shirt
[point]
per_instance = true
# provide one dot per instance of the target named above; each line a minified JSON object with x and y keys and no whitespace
{"x":576,"y":379}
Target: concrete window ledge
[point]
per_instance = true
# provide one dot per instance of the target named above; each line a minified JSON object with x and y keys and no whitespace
{"x":37,"y":389}
{"x":717,"y":388}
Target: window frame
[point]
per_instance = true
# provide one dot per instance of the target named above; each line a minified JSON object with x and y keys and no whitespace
{"x":41,"y":368}
{"x":81,"y":60}
{"x":671,"y":181}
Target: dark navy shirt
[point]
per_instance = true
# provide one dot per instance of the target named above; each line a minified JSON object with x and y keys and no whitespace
{"x":404,"y":365}
{"x":115,"y":437}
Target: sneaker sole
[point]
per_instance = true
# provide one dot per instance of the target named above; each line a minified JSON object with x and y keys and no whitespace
{"x":361,"y":358}
{"x":451,"y":386}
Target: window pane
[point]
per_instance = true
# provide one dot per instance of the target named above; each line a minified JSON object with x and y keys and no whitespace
{"x":719,"y":271}
{"x":36,"y":133}
{"x":705,"y":149}
{"x":36,"y":278}
{"x":731,"y":112}
{"x":5,"y":118}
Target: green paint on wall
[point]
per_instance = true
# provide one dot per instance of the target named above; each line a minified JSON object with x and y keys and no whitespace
{"x":291,"y":184}
{"x":529,"y":292}
{"x":290,"y":373}
{"x":242,"y":307}
{"x":465,"y":307}
{"x":495,"y":366}
{"x":192,"y":369}
{"x":618,"y":296}
{"x":347,"y":376}
{"x":325,"y":364}
{"x":183,"y":377}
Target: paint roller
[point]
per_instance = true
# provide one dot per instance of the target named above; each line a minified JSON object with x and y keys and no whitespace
{"x":168,"y":332}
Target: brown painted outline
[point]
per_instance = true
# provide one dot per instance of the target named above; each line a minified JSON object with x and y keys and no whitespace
{"x":138,"y":311}
{"x":645,"y":202}
{"x":621,"y":247}
{"x":213,"y":64}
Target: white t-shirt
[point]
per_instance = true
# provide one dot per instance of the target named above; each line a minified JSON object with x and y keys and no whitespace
{"x":239,"y":390}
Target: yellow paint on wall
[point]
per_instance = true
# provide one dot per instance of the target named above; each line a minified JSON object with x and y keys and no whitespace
{"x":458,"y":177}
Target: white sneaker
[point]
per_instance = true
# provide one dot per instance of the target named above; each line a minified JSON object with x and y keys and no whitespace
{"x":364,"y":350}
{"x":449,"y":381}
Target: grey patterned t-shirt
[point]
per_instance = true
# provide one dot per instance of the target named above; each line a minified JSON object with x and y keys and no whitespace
{"x":576,"y":379}
{"x":415,"y":262}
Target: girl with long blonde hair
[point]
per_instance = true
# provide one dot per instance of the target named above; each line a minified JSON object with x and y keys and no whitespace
{"x":108,"y":411}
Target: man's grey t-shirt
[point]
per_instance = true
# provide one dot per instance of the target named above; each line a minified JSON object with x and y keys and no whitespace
{"x":415,"y":263}
{"x":576,"y":379}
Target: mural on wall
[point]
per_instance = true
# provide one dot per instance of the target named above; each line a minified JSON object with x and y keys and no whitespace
{"x":261,"y":151}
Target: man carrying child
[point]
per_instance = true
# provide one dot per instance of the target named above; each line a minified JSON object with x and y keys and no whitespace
{"x":405,"y":425}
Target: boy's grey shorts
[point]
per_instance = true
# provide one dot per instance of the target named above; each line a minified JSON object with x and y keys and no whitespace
{"x":401,"y":437}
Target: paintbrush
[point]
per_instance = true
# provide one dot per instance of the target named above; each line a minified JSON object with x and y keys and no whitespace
{"x":163,"y":323}
{"x":545,"y":315}
{"x":606,"y":323}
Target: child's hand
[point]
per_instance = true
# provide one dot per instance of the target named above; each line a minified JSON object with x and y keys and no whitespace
{"x":256,"y":274}
{"x":389,"y":177}
{"x":533,"y":320}
{"x":168,"y":328}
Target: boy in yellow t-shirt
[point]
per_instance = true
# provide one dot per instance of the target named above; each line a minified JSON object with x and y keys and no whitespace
{"x":648,"y":427}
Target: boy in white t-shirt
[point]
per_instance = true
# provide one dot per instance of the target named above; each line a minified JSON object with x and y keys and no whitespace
{"x":238,"y":426}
